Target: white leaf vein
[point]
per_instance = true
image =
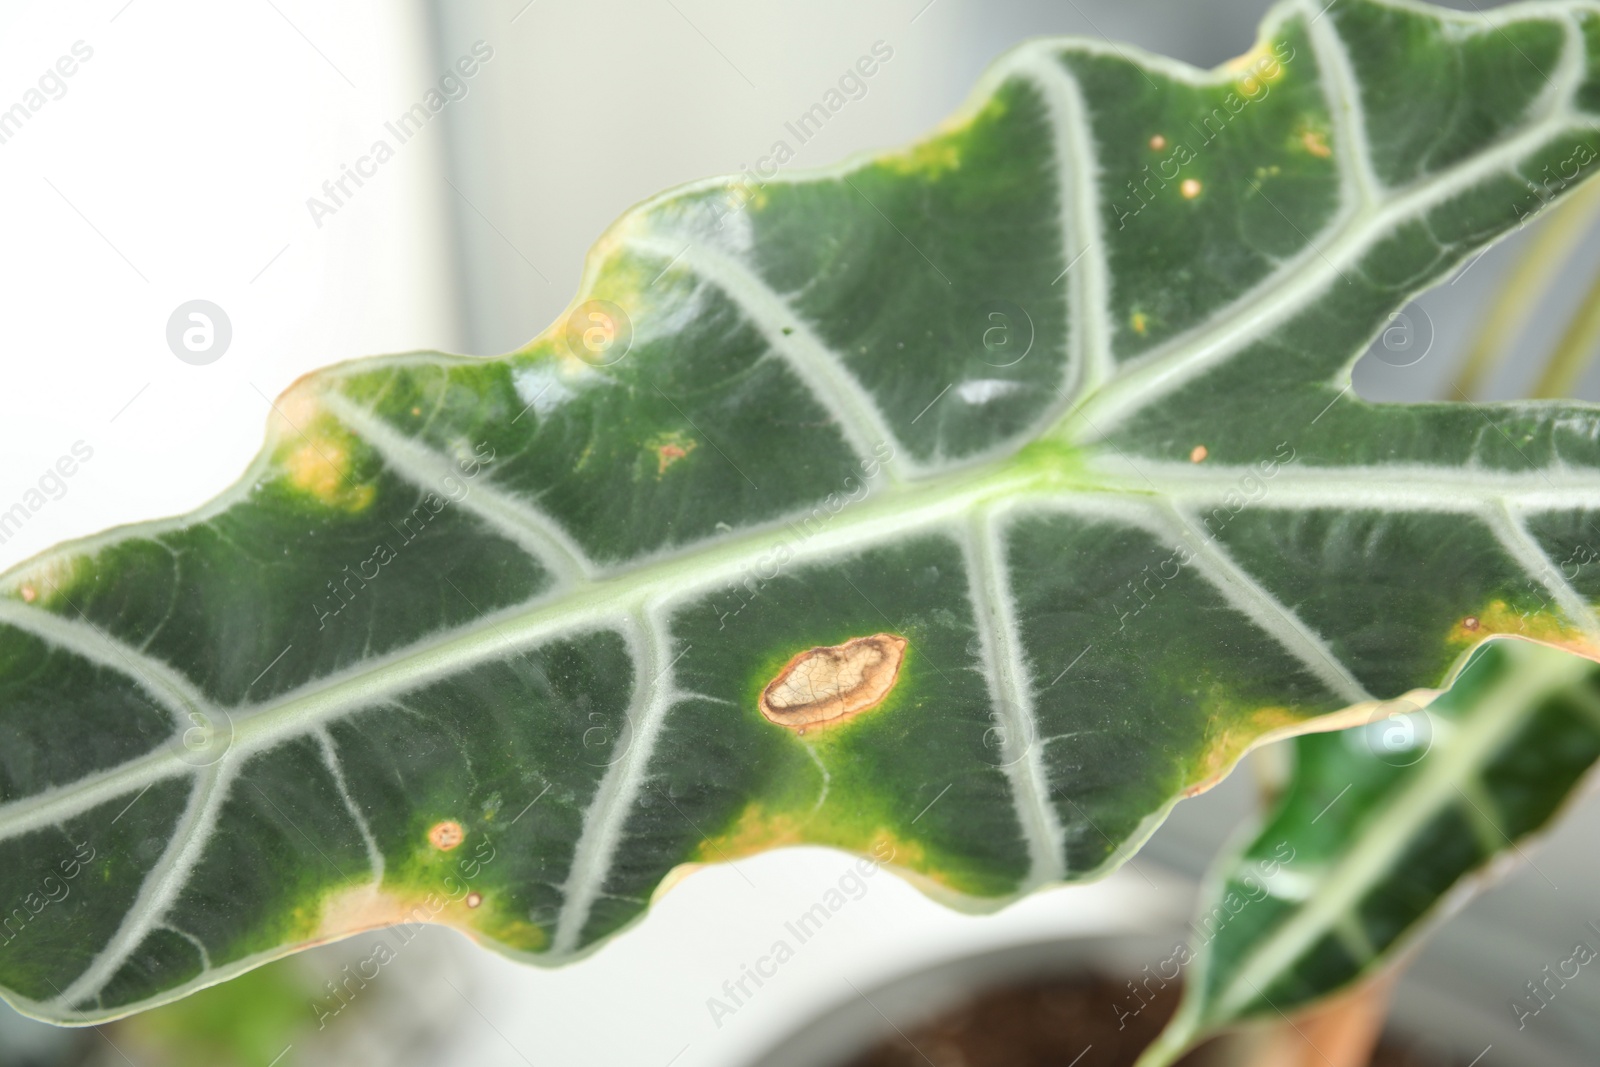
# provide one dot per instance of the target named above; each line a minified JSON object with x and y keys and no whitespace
{"x":1011,"y":698}
{"x":786,"y":332}
{"x":605,"y":820}
{"x":539,"y":534}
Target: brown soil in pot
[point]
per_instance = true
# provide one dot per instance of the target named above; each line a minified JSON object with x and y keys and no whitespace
{"x":1069,"y":1022}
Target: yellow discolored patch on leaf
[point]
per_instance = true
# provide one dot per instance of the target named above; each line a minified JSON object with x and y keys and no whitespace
{"x":1139,"y":322}
{"x":48,"y":582}
{"x":1499,"y":618}
{"x":759,"y":829}
{"x":322,"y":470}
{"x":518,"y":933}
{"x":353,"y":909}
{"x":674,"y":878}
{"x":1260,"y":62}
{"x":316,"y":452}
{"x":942,"y":152}
{"x":617,"y":273}
{"x":742,"y":194}
{"x":829,"y":684}
{"x":1230,"y":735}
{"x":669,"y":448}
{"x":929,"y":159}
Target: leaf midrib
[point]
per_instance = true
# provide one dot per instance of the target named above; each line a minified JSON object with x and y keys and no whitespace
{"x":1038,"y":473}
{"x":662,"y":580}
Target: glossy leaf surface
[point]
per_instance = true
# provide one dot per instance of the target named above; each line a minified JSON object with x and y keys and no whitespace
{"x":1381,"y":830}
{"x":1057,"y":398}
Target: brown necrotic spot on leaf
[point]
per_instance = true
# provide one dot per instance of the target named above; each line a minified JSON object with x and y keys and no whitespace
{"x":824,"y":685}
{"x":669,"y":448}
{"x":445,"y":836}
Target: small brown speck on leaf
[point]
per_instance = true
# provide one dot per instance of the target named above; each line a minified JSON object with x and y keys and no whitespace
{"x":831,"y":683}
{"x":446,"y":835}
{"x":1190,"y":188}
{"x":29,"y":594}
{"x":1470,"y":622}
{"x":1158,"y":142}
{"x":474,"y":899}
{"x":1198,"y":454}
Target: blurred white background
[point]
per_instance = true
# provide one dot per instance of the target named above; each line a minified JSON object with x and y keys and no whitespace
{"x":177,"y":165}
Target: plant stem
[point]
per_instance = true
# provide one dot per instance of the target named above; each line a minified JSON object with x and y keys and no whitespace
{"x":1552,"y":247}
{"x":1170,"y":1046}
{"x":1573,"y":352}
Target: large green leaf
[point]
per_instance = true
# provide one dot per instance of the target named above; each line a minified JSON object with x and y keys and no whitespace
{"x":1059,"y":398}
{"x":1380,"y":830}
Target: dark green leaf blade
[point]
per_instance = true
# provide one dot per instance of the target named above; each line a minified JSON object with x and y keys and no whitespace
{"x":487,"y":642}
